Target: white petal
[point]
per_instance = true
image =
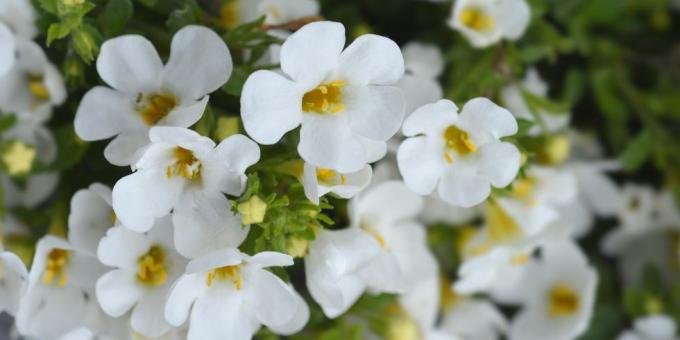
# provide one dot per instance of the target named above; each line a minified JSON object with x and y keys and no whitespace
{"x":299,"y":319}
{"x":181,"y":296}
{"x":271,"y":105}
{"x":148,"y":317}
{"x":377,"y":112}
{"x":15,"y":277}
{"x":122,"y":248}
{"x":130,"y":64}
{"x":7,"y":49}
{"x":420,"y":164}
{"x":218,"y":317}
{"x":88,"y":221}
{"x":225,"y":167}
{"x":372,"y":59}
{"x":310,"y":183}
{"x":313,"y":51}
{"x":271,"y":259}
{"x":118,"y":291}
{"x":389,"y":201}
{"x":516,"y":16}
{"x":431,"y":119}
{"x":38,"y":188}
{"x":219,"y":258}
{"x":187,"y":114}
{"x":499,"y":163}
{"x":486,"y":121}
{"x":418,"y":91}
{"x":269,"y":298}
{"x":383,"y":274}
{"x":104,"y":113}
{"x":327,"y":142}
{"x":199,"y":63}
{"x":423,"y":60}
{"x":204,"y":222}
{"x":344,"y":251}
{"x":354,"y":183}
{"x":126,"y":148}
{"x":375,"y":150}
{"x":54,"y":83}
{"x":463,"y":187}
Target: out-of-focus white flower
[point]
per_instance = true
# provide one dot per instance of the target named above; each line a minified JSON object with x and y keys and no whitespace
{"x":13,"y":281}
{"x":436,"y":210}
{"x":91,"y":215}
{"x":459,"y":155}
{"x":276,"y":12}
{"x":342,"y":99}
{"x":485,"y":22}
{"x":147,"y":93}
{"x":471,"y":318}
{"x":654,"y":327}
{"x":560,"y":295}
{"x":16,"y":23}
{"x":423,"y":64}
{"x":7,"y":49}
{"x":422,"y":302}
{"x":384,"y":250}
{"x":319,"y":181}
{"x":33,"y":83}
{"x":60,"y":292}
{"x":187,"y":174}
{"x":513,"y":98}
{"x":229,"y":295}
{"x":145,"y":265}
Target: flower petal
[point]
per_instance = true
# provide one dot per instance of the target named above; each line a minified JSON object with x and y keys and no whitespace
{"x":130,"y":64}
{"x":181,"y":296}
{"x":431,"y":119}
{"x":499,"y":163}
{"x":327,"y":142}
{"x":186,"y":116}
{"x":7,"y":49}
{"x":225,"y":167}
{"x":389,"y":202}
{"x":104,"y":113}
{"x":463,"y":187}
{"x":309,"y":54}
{"x":89,"y":220}
{"x":486,"y":121}
{"x":371,"y":59}
{"x":117,"y":292}
{"x":126,"y":148}
{"x":148,"y":317}
{"x":299,"y":319}
{"x":376,"y":112}
{"x":217,"y":317}
{"x":269,"y":298}
{"x":122,"y":248}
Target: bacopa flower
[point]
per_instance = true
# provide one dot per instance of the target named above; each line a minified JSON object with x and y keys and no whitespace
{"x":16,"y":23}
{"x":276,"y":12}
{"x":653,"y":327}
{"x":13,"y":282}
{"x":342,"y":99}
{"x":423,"y":64}
{"x":229,"y":295}
{"x":147,"y":93}
{"x":90,"y":217}
{"x":485,"y":22}
{"x":460,"y":155}
{"x":318,"y":182}
{"x":187,"y":174}
{"x":145,"y":265}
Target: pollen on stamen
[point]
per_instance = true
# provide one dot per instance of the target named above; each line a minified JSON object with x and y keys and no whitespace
{"x":153,"y":108}
{"x":325,"y":98}
{"x":57,"y":260}
{"x":231,"y":273}
{"x":457,"y":141}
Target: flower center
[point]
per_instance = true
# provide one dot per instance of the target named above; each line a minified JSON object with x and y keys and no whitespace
{"x":227,"y":273}
{"x":37,"y":87}
{"x":325,"y":98}
{"x":329,"y":177}
{"x":57,"y":259}
{"x":523,"y":189}
{"x":457,"y":141}
{"x":18,"y":158}
{"x":229,"y":14}
{"x":475,"y":19}
{"x":152,"y":269}
{"x":186,"y":165}
{"x":155,"y":107}
{"x":563,"y":301}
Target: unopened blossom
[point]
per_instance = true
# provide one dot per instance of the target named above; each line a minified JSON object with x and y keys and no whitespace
{"x":459,"y":155}
{"x":560,"y":293}
{"x":13,"y":282}
{"x":423,"y":63}
{"x":60,"y":292}
{"x":486,"y":22}
{"x":145,"y":267}
{"x":145,"y":93}
{"x":318,"y":182}
{"x":383,"y":250}
{"x":513,"y":98}
{"x":185,"y":173}
{"x":342,"y":99}
{"x":652,"y":327}
{"x":229,"y":295}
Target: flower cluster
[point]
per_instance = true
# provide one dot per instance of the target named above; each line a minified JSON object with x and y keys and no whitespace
{"x":262,"y":177}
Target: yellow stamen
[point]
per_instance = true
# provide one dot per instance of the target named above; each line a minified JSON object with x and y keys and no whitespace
{"x":520,"y":259}
{"x":57,"y":259}
{"x":330,"y":177}
{"x":325,"y":98}
{"x":378,"y":237}
{"x":37,"y":87}
{"x":475,"y":19}
{"x":222,"y":273}
{"x":18,"y":158}
{"x":152,"y":269}
{"x":154,"y":108}
{"x":186,"y":165}
{"x":562,"y":301}
{"x":229,"y":14}
{"x":458,"y":141}
{"x":502,"y":227}
{"x":523,"y":189}
{"x":449,"y":297}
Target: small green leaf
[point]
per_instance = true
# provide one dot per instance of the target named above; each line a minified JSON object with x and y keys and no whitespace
{"x":116,"y":15}
{"x":49,"y":6}
{"x":235,"y":84}
{"x":7,"y":121}
{"x":85,"y":42}
{"x":637,"y":152}
{"x":58,"y":31}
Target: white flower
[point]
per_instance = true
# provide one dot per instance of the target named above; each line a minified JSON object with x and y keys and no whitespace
{"x":472,"y":318}
{"x":13,"y":280}
{"x":341,"y":99}
{"x":145,"y":265}
{"x":436,"y":210}
{"x":60,"y":291}
{"x":91,"y":215}
{"x":423,"y":64}
{"x":318,"y":182}
{"x":460,"y":155}
{"x":229,"y":295}
{"x":276,"y":12}
{"x":147,"y":93}
{"x":653,"y":327}
{"x":19,"y":16}
{"x":384,"y":250}
{"x":7,"y":49}
{"x":513,"y":98}
{"x":561,"y":289}
{"x":422,"y":302}
{"x":485,"y":22}
{"x":187,"y":174}
{"x":33,"y":83}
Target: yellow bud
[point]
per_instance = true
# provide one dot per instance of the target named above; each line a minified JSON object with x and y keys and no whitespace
{"x":252,"y":210}
{"x":653,"y":305}
{"x":297,"y":247}
{"x":555,"y":150}
{"x":226,"y":126}
{"x":402,"y":328}
{"x":18,"y":158}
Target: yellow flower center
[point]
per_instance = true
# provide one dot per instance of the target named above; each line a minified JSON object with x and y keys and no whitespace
{"x":155,"y":107}
{"x":325,"y":98}
{"x":523,"y":189}
{"x":229,"y":14}
{"x":562,"y":301}
{"x":186,"y":165}
{"x":152,"y":269}
{"x":57,"y":259}
{"x":37,"y":87}
{"x":458,"y":142}
{"x":227,"y":273}
{"x":329,"y":177}
{"x":474,"y":18}
{"x":18,"y":158}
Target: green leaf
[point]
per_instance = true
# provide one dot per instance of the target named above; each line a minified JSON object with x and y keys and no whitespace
{"x":181,"y":17}
{"x":638,"y":151}
{"x":58,"y":31}
{"x":524,"y":125}
{"x":235,"y":84}
{"x":7,"y":121}
{"x":545,"y":104}
{"x":343,"y":332}
{"x":70,"y":148}
{"x":49,"y":6}
{"x":116,"y":15}
{"x":85,"y":42}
